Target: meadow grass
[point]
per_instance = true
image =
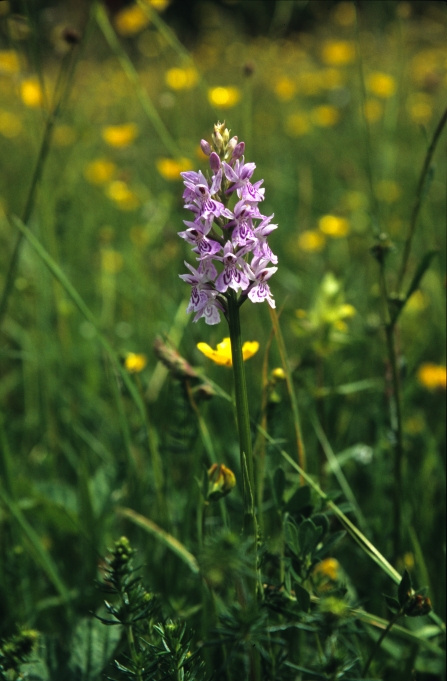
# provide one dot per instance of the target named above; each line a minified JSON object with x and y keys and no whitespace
{"x":102,"y":437}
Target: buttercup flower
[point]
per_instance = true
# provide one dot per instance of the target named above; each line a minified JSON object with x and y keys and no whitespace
{"x":222,"y":354}
{"x":223,"y":236}
{"x":134,"y":362}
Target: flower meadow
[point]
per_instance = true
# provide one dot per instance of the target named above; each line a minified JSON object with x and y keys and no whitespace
{"x":222,"y":354}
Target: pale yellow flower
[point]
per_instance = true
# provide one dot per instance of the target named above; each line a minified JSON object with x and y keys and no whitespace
{"x":338,"y":52}
{"x":285,"y":89}
{"x":170,"y":168}
{"x":325,"y":116}
{"x":297,"y":124}
{"x":10,"y":125}
{"x":381,"y":84}
{"x":64,"y":135}
{"x":134,"y":362}
{"x":334,"y":226}
{"x":182,"y":79}
{"x":224,"y":97}
{"x":124,"y":197}
{"x":417,"y":302}
{"x":111,"y":261}
{"x":31,"y":93}
{"x":388,"y":191}
{"x":432,"y":376}
{"x":279,"y":374}
{"x":131,"y":20}
{"x":311,"y":241}
{"x":373,"y":110}
{"x":9,"y":61}
{"x":222,"y":354}
{"x":99,"y":171}
{"x":120,"y":135}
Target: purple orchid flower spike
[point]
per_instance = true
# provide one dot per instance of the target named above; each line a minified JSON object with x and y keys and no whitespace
{"x":235,"y":273}
{"x":236,"y":240}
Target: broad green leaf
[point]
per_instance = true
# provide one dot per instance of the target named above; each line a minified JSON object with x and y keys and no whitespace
{"x":308,"y":536}
{"x":92,"y":647}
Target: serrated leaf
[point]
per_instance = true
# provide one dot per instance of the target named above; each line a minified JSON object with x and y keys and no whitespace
{"x":308,"y":537}
{"x":392,"y":603}
{"x":279,"y":485}
{"x":403,"y":588}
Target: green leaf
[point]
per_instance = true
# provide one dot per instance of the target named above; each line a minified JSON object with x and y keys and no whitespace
{"x":392,"y":603}
{"x":302,"y":597}
{"x":308,"y":537}
{"x":92,"y":647}
{"x":299,"y":500}
{"x":403,"y":588}
{"x":291,"y":535}
{"x":321,"y":520}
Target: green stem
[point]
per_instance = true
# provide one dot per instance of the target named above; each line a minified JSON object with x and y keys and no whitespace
{"x":419,"y":197}
{"x":379,"y":642}
{"x":242,"y":413}
{"x":396,"y":415}
{"x":133,"y":652}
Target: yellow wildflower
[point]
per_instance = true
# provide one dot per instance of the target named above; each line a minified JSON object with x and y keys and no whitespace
{"x":181,"y":79}
{"x":120,"y":135}
{"x":387,"y":191}
{"x":9,"y":61}
{"x":381,"y":84}
{"x":222,"y":354}
{"x":325,"y":116}
{"x":373,"y":110}
{"x":111,"y":261}
{"x":224,"y":97}
{"x":64,"y":135}
{"x":338,"y":52}
{"x":417,"y":302}
{"x":99,"y":171}
{"x":31,"y":93}
{"x":279,"y":374}
{"x":432,"y":376}
{"x":329,"y":567}
{"x":285,"y":89}
{"x":10,"y":125}
{"x":297,"y":124}
{"x":334,"y":226}
{"x":311,"y":241}
{"x":124,"y":197}
{"x":159,"y":5}
{"x":131,"y":20}
{"x":419,"y":106}
{"x":409,"y":561}
{"x":344,"y":14}
{"x":170,"y":168}
{"x":134,"y":363}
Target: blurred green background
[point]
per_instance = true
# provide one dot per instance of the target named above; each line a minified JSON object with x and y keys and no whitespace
{"x":337,"y":113}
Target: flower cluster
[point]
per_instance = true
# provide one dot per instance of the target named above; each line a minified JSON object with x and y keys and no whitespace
{"x":240,"y":246}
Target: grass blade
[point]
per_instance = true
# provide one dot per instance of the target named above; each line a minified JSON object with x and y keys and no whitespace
{"x":290,"y":387}
{"x":132,"y":74}
{"x":40,"y":555}
{"x":164,"y":537}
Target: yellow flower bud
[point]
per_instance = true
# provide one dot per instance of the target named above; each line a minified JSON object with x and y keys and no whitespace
{"x":221,"y":481}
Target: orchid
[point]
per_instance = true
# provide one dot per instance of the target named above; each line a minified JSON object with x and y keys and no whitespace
{"x":234,"y":239}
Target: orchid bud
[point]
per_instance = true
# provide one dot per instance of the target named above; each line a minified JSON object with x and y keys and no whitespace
{"x":214,"y":162}
{"x":238,"y":150}
{"x":206,"y":147}
{"x":217,"y":140}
